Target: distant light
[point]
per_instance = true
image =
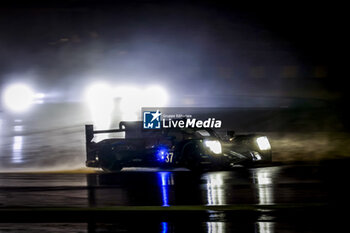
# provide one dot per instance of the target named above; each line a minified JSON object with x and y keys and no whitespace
{"x":18,"y":128}
{"x":39,"y":98}
{"x":18,"y":97}
{"x":17,"y":149}
{"x":40,"y":95}
{"x":39,"y":101}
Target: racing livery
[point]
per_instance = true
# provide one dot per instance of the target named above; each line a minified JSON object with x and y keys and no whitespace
{"x":193,"y":148}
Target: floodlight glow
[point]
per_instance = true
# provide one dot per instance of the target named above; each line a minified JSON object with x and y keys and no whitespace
{"x":100,"y":101}
{"x":100,"y":98}
{"x":98,"y":93}
{"x":126,"y":91}
{"x":40,"y":95}
{"x":18,"y":97}
{"x":155,"y":96}
{"x":131,"y":100}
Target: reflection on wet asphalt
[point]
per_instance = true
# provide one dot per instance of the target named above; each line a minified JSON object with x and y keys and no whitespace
{"x":265,"y":186}
{"x":162,"y":227}
{"x":254,"y":186}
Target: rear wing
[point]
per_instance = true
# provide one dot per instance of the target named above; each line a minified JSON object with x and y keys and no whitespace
{"x":90,"y":132}
{"x":123,"y":125}
{"x":91,"y":151}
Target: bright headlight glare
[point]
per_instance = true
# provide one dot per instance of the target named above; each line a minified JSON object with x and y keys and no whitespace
{"x":214,"y":146}
{"x":18,"y":97}
{"x":263,"y":143}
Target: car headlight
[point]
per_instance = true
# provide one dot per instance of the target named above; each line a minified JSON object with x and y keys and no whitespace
{"x":18,"y":97}
{"x":263,"y":143}
{"x":214,"y":146}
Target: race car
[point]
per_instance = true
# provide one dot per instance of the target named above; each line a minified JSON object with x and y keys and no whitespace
{"x":197,"y":149}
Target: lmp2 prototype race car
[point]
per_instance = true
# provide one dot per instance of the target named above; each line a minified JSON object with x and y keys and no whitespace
{"x":192,"y":148}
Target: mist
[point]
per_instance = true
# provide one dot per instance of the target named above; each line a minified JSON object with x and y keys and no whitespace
{"x":203,"y":54}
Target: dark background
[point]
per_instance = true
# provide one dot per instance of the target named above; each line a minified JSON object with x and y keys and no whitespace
{"x":288,"y":49}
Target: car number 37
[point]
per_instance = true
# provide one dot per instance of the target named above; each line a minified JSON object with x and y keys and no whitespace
{"x":169,"y":157}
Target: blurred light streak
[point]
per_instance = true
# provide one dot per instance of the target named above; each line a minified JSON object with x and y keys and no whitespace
{"x":40,"y":95}
{"x":164,"y":227}
{"x":215,"y":190}
{"x":18,"y":128}
{"x":17,"y":149}
{"x":216,"y":227}
{"x":166,"y":179}
{"x":263,"y":179}
{"x":39,"y":98}
{"x":265,"y":227}
{"x":1,"y":129}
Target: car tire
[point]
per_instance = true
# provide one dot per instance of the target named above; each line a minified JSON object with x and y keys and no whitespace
{"x":108,"y":161}
{"x":113,"y":169}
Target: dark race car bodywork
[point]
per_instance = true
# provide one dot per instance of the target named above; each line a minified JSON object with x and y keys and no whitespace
{"x":195,"y":149}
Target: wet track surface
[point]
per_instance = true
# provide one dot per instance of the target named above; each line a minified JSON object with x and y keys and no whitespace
{"x":293,"y":198}
{"x":164,"y":188}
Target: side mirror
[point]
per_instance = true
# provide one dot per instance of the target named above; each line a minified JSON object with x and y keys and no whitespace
{"x":230,"y":133}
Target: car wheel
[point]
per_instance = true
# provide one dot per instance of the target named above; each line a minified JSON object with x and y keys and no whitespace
{"x":112,"y":169}
{"x":108,"y":161}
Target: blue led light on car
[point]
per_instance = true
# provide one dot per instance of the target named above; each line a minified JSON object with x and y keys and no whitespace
{"x":162,"y":153}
